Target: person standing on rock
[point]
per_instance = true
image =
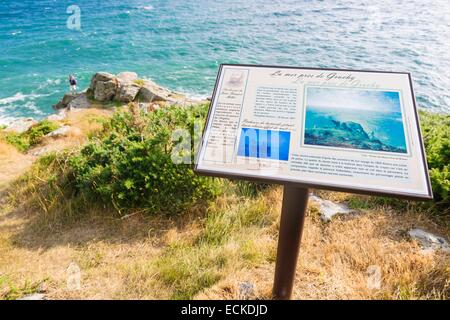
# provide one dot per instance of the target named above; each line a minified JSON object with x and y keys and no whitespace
{"x":73,"y":84}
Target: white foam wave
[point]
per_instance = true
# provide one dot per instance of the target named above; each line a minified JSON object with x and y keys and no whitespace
{"x":5,"y":121}
{"x":19,"y":96}
{"x":31,"y":106}
{"x":147,"y":7}
{"x":49,"y":82}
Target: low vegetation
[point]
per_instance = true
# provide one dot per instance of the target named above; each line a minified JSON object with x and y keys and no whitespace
{"x":24,"y":141}
{"x":131,"y":164}
{"x":436,"y":135}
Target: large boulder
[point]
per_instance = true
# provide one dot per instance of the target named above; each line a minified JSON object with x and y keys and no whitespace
{"x":127,"y":92}
{"x":105,"y":90}
{"x":102,"y":77}
{"x":103,"y":86}
{"x":80,"y":102}
{"x":21,"y":125}
{"x":127,"y":76}
{"x":151,"y":92}
{"x":68,"y":97}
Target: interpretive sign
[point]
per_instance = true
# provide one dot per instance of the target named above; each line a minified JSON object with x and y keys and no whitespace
{"x":344,"y":130}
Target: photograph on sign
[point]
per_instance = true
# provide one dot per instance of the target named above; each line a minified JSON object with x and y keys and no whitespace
{"x":348,"y":130}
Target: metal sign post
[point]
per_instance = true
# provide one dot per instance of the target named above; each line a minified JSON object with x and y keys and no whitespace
{"x":295,"y":202}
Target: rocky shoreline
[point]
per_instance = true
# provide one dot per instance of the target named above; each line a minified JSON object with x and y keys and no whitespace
{"x":109,"y":90}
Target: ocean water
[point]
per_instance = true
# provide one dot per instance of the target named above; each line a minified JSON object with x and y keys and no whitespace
{"x":180,"y":43}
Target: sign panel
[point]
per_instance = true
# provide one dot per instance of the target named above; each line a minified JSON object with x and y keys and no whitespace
{"x":344,"y":130}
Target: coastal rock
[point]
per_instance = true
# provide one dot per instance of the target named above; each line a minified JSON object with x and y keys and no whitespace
{"x":39,"y":151}
{"x":127,"y":92}
{"x":151,"y":92}
{"x":68,"y":97}
{"x":58,"y":116}
{"x":103,"y":86}
{"x":80,"y":102}
{"x":102,"y":77}
{"x":105,"y":90}
{"x":124,"y":88}
{"x":429,"y":241}
{"x":127,"y":76}
{"x":62,"y":131}
{"x":328,"y":208}
{"x":21,"y":125}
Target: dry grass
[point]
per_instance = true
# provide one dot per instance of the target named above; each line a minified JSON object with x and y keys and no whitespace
{"x":84,"y":123}
{"x":88,"y":121}
{"x":209,"y":253}
{"x":335,"y":259}
{"x":12,"y":163}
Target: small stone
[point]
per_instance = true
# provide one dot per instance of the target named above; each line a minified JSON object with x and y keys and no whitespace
{"x":246,"y":290}
{"x":34,"y":296}
{"x":328,"y":208}
{"x":429,"y":242}
{"x":62,"y":131}
{"x":42,"y":288}
{"x":73,"y":277}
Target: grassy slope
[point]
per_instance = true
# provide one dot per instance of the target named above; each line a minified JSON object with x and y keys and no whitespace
{"x":210,"y":250}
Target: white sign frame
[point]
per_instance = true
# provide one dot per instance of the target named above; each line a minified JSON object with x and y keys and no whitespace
{"x":245,"y":80}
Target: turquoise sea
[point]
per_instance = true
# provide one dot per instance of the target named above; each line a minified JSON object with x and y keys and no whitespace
{"x":180,"y":43}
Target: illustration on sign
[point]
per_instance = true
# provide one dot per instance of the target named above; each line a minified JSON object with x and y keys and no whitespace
{"x":354,"y":119}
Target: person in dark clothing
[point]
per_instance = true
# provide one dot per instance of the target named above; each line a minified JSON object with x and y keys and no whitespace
{"x":73,"y":84}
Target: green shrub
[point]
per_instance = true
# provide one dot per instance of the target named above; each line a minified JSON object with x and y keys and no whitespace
{"x":436,"y":135}
{"x":20,"y":141}
{"x":35,"y":133}
{"x":31,"y":137}
{"x":130,"y":165}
